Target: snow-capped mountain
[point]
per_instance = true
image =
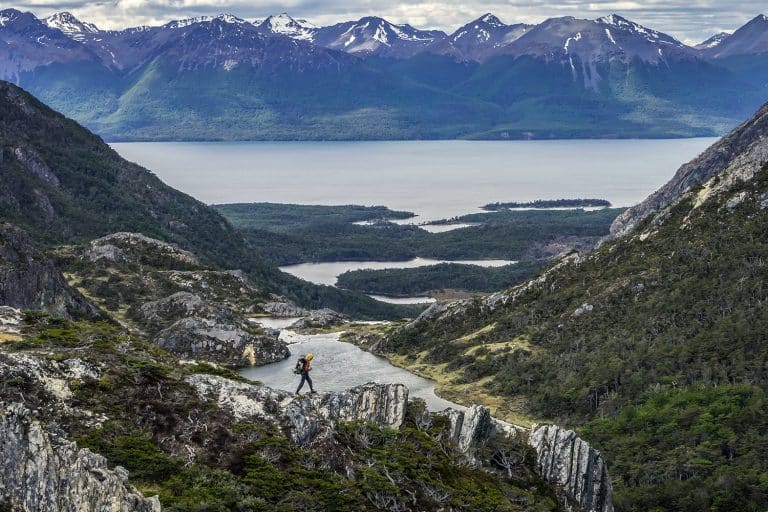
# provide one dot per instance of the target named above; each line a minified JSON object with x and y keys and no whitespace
{"x":715,"y":40}
{"x":71,"y":26}
{"x":226,"y":18}
{"x":283,"y":24}
{"x":607,"y":39}
{"x":26,"y":43}
{"x":376,"y":36}
{"x":751,"y":39}
{"x":480,"y":39}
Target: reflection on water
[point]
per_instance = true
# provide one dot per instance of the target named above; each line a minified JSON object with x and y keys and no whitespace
{"x":338,"y":366}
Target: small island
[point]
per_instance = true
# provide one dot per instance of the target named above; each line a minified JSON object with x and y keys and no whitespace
{"x":549,"y":203}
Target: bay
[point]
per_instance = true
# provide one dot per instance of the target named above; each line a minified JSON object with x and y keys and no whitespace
{"x":434,"y":179}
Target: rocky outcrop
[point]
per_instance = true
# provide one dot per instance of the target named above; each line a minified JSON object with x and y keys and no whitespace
{"x":29,"y":280}
{"x":33,"y":163}
{"x":136,"y":248}
{"x":284,"y":310}
{"x":472,"y":428}
{"x":307,"y":416}
{"x":579,"y":471}
{"x":319,"y":318}
{"x":192,"y":328}
{"x":442,"y":311}
{"x":222,"y":342}
{"x":737,"y":155}
{"x":40,"y":470}
{"x":562,"y":458}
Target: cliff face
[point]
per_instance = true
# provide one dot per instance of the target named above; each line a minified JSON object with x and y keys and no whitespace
{"x":738,"y":155}
{"x":28,"y":280}
{"x":41,"y":470}
{"x":307,"y":416}
{"x":578,"y":470}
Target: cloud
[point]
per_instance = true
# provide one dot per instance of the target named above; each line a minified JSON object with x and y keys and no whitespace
{"x":688,"y":20}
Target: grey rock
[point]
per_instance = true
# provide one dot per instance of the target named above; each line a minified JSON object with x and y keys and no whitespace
{"x":284,"y":309}
{"x":578,"y":470}
{"x":305,"y":417}
{"x":584,"y":308}
{"x":191,"y":327}
{"x":222,"y":342}
{"x":41,"y":471}
{"x":472,"y":428}
{"x":137,"y":244}
{"x":763,"y":201}
{"x":107,"y":252}
{"x":31,"y":161}
{"x":735,"y":157}
{"x":735,"y":201}
{"x":319,"y":318}
{"x":29,"y":280}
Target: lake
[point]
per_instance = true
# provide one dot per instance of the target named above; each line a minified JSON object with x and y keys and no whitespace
{"x":434,"y":179}
{"x":338,"y":366}
{"x":326,"y":273}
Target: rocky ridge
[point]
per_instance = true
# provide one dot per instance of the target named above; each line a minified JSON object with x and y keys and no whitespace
{"x":29,"y":280}
{"x":27,"y":431}
{"x":736,"y":157}
{"x":166,"y":293}
{"x":562,"y":458}
{"x":45,"y":471}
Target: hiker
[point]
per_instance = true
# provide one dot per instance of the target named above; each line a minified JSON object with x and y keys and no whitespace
{"x":304,"y":366}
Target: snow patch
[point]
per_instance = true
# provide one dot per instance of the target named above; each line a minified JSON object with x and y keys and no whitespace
{"x":70,"y":26}
{"x":610,"y":36}
{"x":568,"y":42}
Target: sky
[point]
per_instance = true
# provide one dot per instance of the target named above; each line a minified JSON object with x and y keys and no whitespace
{"x":690,"y":21}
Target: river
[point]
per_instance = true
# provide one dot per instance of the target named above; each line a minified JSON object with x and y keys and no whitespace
{"x":338,"y":366}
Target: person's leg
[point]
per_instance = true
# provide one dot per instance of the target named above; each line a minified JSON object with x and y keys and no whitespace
{"x":301,"y":384}
{"x":309,"y":380}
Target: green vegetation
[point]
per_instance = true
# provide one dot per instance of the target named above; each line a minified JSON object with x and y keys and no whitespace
{"x":451,"y":276}
{"x":426,"y":97}
{"x":690,"y":449}
{"x":672,"y":314}
{"x":196,"y":457}
{"x":72,"y":188}
{"x":289,"y":234}
{"x":284,"y":218}
{"x":556,"y":203}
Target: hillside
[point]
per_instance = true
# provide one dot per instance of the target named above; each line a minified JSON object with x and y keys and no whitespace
{"x":62,"y":184}
{"x":654,"y":344}
{"x":152,"y":431}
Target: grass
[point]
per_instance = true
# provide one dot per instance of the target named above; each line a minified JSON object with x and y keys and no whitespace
{"x":449,"y":385}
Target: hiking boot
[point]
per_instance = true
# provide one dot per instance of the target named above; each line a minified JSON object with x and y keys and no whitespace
{"x":313,"y":392}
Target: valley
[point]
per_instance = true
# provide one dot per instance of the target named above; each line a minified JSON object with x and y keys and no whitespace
{"x":496,"y":322}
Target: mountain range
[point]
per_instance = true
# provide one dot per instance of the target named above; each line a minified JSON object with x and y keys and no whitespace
{"x":222,"y":77}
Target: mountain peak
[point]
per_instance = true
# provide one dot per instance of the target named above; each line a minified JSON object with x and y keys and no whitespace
{"x":8,"y":16}
{"x":715,"y":40}
{"x":70,"y":25}
{"x":284,"y":24}
{"x":615,"y":19}
{"x":490,"y":19}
